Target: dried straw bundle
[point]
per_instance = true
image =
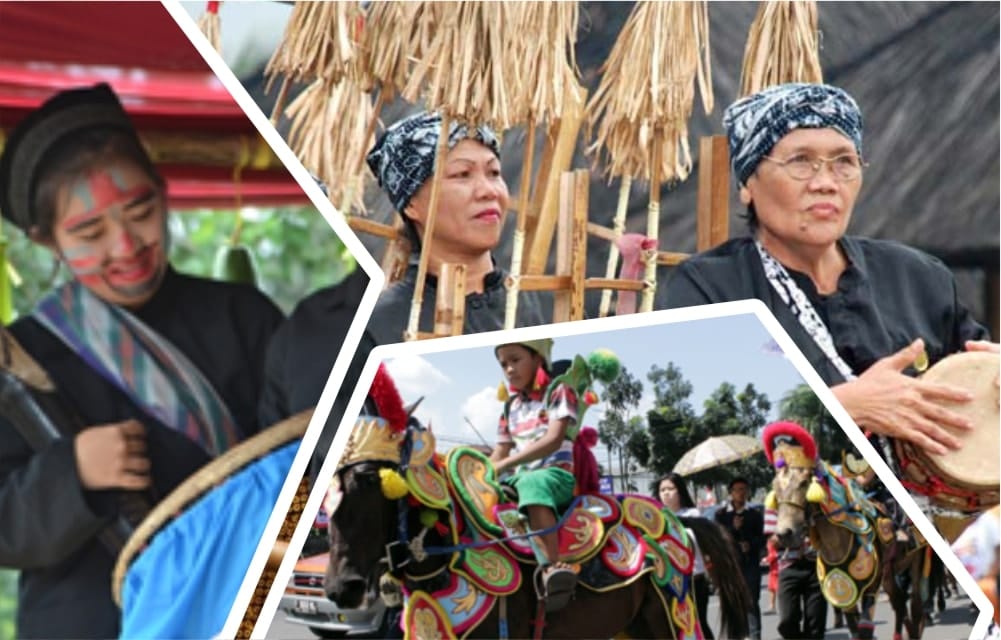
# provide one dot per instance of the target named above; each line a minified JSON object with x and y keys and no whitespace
{"x":319,"y":42}
{"x":209,"y":25}
{"x":783,"y":46}
{"x":394,"y":36}
{"x":330,"y":132}
{"x":541,"y":41}
{"x":463,"y":65}
{"x":648,"y":89}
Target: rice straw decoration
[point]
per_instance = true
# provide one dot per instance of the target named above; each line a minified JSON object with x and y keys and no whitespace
{"x":644,"y":100}
{"x":783,"y":45}
{"x":541,"y":39}
{"x":208,"y":24}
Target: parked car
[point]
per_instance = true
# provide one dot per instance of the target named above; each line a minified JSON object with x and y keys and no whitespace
{"x":305,"y":603}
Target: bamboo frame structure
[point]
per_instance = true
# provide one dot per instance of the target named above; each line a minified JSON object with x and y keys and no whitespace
{"x":426,"y":242}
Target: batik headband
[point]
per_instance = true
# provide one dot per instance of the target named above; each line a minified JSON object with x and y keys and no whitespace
{"x":754,"y":124}
{"x":403,"y":157}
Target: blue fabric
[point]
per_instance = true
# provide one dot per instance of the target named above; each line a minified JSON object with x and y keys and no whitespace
{"x":754,"y":124}
{"x":403,"y":157}
{"x":184,"y":584}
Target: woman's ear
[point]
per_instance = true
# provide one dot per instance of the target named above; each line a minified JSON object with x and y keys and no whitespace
{"x":745,"y":195}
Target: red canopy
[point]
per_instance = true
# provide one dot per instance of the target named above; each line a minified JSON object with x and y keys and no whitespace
{"x":164,"y":83}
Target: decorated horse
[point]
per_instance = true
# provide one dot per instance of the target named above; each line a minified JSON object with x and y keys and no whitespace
{"x":858,"y":549}
{"x":454,"y":540}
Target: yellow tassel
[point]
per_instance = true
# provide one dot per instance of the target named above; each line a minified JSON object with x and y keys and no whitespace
{"x":771,"y":502}
{"x":502,"y":393}
{"x":394,"y":486}
{"x":816,"y":492}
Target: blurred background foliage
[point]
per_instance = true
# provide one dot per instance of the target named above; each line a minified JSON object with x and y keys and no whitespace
{"x":295,"y":251}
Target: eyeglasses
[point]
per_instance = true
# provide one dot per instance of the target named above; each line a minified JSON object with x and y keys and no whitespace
{"x":844,"y":168}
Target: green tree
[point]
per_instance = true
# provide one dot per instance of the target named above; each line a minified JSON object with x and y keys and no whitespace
{"x":727,"y":411}
{"x":801,"y":405}
{"x":617,"y":426}
{"x":672,"y":422}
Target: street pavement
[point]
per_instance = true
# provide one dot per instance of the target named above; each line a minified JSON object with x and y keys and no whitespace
{"x":954,"y":623}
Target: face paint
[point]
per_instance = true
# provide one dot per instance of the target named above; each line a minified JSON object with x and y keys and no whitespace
{"x":111,"y":232}
{"x":103,"y":193}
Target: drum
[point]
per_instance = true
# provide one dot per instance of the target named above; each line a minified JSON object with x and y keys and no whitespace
{"x":966,"y":480}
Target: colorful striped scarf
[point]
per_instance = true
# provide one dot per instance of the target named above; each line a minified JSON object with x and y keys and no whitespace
{"x":143,"y":364}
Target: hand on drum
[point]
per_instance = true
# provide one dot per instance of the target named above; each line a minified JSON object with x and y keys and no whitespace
{"x":889,"y":403}
{"x":113,"y":456}
{"x":983,"y":345}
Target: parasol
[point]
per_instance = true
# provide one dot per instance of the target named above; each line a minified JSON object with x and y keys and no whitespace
{"x":716,"y":451}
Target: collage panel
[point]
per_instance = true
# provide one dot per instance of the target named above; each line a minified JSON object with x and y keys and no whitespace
{"x":824,"y":201}
{"x":159,"y":266}
{"x":704,"y":427}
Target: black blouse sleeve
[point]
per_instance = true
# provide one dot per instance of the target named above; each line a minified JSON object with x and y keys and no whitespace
{"x":44,"y":513}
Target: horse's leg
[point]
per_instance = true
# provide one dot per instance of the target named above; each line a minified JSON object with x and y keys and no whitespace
{"x":917,"y":617}
{"x":852,"y":619}
{"x":898,"y":600}
{"x":653,"y":618}
{"x":865,"y":625}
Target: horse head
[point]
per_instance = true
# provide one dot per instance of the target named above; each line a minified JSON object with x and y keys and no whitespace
{"x":793,"y":453}
{"x":363,"y":514}
{"x":790,"y":497}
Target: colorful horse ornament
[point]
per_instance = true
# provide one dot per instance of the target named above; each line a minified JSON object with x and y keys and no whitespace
{"x":465,"y":564}
{"x":856,"y":544}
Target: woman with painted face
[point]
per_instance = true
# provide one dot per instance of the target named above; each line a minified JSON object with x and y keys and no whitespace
{"x":162,"y":369}
{"x":861,"y":310}
{"x":472,"y":206}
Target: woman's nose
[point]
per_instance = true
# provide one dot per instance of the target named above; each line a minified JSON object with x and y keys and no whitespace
{"x":487,"y":187}
{"x":125,"y":241}
{"x":824,"y":180}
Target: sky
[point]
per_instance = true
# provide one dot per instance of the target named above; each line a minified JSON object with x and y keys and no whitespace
{"x":461,"y":385}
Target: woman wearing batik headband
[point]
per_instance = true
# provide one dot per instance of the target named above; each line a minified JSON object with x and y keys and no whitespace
{"x":861,"y":310}
{"x":472,"y":206}
{"x":162,"y":370}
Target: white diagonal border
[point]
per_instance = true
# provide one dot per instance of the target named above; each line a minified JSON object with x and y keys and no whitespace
{"x":348,"y":348}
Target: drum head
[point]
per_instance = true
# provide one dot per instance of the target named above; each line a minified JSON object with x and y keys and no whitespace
{"x":977,"y":462}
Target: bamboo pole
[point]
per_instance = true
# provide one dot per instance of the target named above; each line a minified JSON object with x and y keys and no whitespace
{"x":518,"y":246}
{"x":712,"y":219}
{"x":396,"y":258}
{"x":578,"y":242}
{"x":450,"y":307}
{"x":378,"y":229}
{"x":653,"y":222}
{"x":618,"y":226}
{"x":422,"y":265}
{"x":613,"y":284}
{"x":562,"y":156}
{"x":564,"y":248}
